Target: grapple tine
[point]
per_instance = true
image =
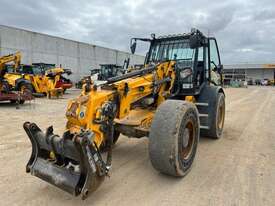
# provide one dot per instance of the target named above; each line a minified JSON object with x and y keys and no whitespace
{"x":70,"y":163}
{"x":26,"y":127}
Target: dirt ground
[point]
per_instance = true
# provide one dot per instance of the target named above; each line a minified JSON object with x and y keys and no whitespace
{"x":238,"y":169}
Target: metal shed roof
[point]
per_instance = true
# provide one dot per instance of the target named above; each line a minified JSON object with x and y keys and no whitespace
{"x":249,"y":66}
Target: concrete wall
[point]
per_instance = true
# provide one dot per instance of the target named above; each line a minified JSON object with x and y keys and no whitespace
{"x":77,"y":56}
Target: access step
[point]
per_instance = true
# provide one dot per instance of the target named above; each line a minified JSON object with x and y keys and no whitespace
{"x":201,"y":104}
{"x":204,"y":127}
{"x":203,"y":115}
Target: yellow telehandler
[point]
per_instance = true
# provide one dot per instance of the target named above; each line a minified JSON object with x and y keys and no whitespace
{"x":171,"y":100}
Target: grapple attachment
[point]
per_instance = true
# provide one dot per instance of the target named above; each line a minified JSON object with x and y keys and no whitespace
{"x":71,"y":163}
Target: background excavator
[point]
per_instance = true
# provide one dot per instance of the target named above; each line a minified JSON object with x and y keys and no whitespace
{"x":13,"y":87}
{"x":171,"y":100}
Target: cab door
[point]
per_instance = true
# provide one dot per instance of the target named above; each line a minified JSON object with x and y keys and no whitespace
{"x":214,"y":65}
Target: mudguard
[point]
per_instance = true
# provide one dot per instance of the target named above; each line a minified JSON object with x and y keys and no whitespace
{"x":208,"y":95}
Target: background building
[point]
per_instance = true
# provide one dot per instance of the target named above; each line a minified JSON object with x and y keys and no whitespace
{"x":249,"y":72}
{"x":77,"y":56}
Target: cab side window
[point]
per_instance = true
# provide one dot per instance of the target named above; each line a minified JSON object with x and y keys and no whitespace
{"x":200,"y":54}
{"x":36,"y":70}
{"x":214,"y":56}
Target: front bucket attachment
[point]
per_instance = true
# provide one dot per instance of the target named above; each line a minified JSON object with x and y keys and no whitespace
{"x":71,"y":163}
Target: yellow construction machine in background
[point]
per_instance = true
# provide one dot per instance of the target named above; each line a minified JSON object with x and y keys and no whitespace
{"x":47,"y":79}
{"x":13,"y":87}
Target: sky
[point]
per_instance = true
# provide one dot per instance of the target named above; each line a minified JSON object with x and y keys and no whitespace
{"x":244,"y":29}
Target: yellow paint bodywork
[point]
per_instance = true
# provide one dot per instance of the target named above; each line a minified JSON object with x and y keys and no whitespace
{"x":136,"y":117}
{"x":12,"y":77}
{"x":55,"y":71}
{"x":83,"y":112}
{"x":44,"y":84}
{"x":40,"y":83}
{"x":16,"y":58}
{"x":190,"y":99}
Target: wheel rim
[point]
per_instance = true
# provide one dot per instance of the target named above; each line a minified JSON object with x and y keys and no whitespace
{"x":220,"y":115}
{"x":187,"y":141}
{"x":23,"y":88}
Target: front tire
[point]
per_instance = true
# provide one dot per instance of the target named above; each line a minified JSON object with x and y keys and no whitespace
{"x":5,"y":87}
{"x":26,"y":87}
{"x":174,"y":137}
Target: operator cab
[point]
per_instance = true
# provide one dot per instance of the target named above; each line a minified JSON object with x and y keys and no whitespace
{"x":34,"y":69}
{"x":29,"y":69}
{"x":109,"y":70}
{"x":197,"y":59}
{"x":41,"y":68}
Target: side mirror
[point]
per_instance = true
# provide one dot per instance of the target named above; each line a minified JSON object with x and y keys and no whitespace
{"x":133,"y":47}
{"x":195,"y":41}
{"x":219,"y":68}
{"x":68,"y":71}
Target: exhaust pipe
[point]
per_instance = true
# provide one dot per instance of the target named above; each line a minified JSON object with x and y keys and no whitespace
{"x":71,"y":163}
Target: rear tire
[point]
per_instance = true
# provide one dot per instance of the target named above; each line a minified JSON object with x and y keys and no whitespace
{"x":217,"y":121}
{"x":174,"y":137}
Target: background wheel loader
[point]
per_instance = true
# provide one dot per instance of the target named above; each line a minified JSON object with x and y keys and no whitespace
{"x":13,"y":87}
{"x":46,"y":79}
{"x":105,"y":72}
{"x":171,"y":100}
{"x":62,"y":82}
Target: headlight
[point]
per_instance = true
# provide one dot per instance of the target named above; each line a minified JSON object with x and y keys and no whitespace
{"x":185,"y":73}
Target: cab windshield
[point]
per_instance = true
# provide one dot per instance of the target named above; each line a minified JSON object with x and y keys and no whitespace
{"x":37,"y":70}
{"x":48,"y":66}
{"x":165,"y":50}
